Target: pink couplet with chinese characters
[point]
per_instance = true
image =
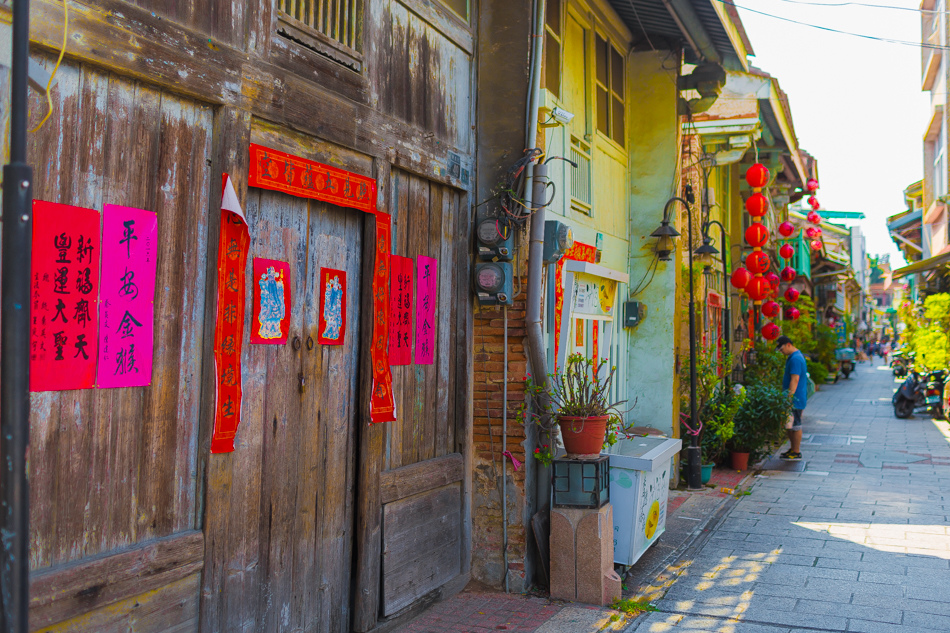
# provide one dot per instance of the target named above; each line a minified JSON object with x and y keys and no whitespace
{"x":127,"y":299}
{"x":400,"y":310}
{"x":427,"y":275}
{"x":64,"y":286}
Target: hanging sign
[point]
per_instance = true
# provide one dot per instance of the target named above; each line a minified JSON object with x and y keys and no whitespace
{"x":427,"y":284}
{"x":400,"y":311}
{"x":127,"y":297}
{"x":382,"y":406}
{"x":64,"y":290}
{"x":233,"y":244}
{"x":578,"y":252}
{"x":332,"y":325}
{"x":270,"y":324}
{"x":279,"y":171}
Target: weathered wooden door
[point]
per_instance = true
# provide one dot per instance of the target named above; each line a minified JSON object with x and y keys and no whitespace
{"x":304,"y":397}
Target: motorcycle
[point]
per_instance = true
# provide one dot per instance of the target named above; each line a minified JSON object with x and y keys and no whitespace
{"x":845,"y":358}
{"x":921,"y":393}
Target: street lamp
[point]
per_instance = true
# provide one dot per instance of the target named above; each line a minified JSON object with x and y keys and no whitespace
{"x":694,"y":474}
{"x":708,"y":249}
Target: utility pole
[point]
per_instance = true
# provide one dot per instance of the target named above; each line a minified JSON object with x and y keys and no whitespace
{"x":15,"y":344}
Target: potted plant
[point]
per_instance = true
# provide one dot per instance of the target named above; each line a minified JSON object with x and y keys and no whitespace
{"x":719,"y":426}
{"x":760,"y":421}
{"x":579,"y":399}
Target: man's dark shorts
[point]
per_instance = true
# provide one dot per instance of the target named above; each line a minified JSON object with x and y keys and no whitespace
{"x":797,"y":419}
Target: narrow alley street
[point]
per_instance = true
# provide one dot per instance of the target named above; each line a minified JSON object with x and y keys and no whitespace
{"x":855,"y":541}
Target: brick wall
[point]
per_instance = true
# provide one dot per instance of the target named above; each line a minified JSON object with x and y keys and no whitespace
{"x":489,"y":463}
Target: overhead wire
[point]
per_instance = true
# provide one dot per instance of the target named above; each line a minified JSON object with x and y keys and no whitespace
{"x":52,"y":76}
{"x":863,"y":4}
{"x":829,"y":29}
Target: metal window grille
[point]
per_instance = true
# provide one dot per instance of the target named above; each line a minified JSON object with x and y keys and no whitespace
{"x":580,"y":177}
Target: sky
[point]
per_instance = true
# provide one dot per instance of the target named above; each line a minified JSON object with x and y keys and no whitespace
{"x":856,"y":103}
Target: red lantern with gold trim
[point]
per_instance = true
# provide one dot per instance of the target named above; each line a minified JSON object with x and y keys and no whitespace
{"x":757,"y":262}
{"x":791,"y":295}
{"x":787,"y":251}
{"x":788,"y":274}
{"x":770,"y":331}
{"x":758,"y":288}
{"x":740,"y":278}
{"x":756,"y":234}
{"x":757,"y":176}
{"x":786,"y":229}
{"x":757,"y":205}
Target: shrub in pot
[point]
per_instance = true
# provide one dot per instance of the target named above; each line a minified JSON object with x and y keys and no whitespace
{"x":759,"y":424}
{"x":718,"y":417}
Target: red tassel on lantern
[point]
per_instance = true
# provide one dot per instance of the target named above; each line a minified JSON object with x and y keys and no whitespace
{"x":757,"y":205}
{"x":788,"y":274}
{"x":786,"y":229}
{"x":791,"y":295}
{"x":740,"y":278}
{"x":786,"y":251}
{"x":811,"y":184}
{"x":816,"y":245}
{"x":757,"y":262}
{"x":770,"y":331}
{"x":757,"y":176}
{"x":773,"y":279}
{"x":756,"y":234}
{"x":758,"y":288}
{"x":769,"y":309}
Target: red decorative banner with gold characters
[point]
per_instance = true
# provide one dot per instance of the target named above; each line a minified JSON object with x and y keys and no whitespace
{"x":279,"y":171}
{"x":271,"y":169}
{"x":578,"y":252}
{"x":233,"y":244}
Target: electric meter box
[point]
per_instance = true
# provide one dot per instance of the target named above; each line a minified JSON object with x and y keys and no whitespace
{"x":493,"y":283}
{"x":494,"y":239}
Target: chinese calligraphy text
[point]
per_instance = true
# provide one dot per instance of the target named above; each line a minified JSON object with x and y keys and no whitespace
{"x":427,"y":286}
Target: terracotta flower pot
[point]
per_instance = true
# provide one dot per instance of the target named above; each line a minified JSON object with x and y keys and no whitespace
{"x":740,"y":461}
{"x":583,"y":436}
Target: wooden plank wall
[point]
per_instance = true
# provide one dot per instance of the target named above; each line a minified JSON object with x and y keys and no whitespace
{"x":111,"y":140}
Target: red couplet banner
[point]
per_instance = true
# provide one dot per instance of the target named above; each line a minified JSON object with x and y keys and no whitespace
{"x":382,"y":406}
{"x":64,"y":325}
{"x":233,"y":244}
{"x":400,"y":310}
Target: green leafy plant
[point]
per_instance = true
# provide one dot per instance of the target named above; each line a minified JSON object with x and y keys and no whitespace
{"x":631,"y":606}
{"x":582,"y":390}
{"x":719,"y":423}
{"x":769,"y":365}
{"x":544,"y":454}
{"x":818,"y":372}
{"x":759,"y":425}
{"x":928,"y":331}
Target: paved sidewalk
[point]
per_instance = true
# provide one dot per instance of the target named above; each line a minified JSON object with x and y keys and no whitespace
{"x":857,"y":541}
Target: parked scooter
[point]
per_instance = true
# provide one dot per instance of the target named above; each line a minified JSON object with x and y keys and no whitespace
{"x":921,"y":393}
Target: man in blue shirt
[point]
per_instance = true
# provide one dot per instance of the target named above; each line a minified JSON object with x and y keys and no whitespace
{"x":795,"y":381}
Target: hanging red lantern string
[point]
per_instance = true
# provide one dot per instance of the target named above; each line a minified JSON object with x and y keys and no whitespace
{"x":757,"y":205}
{"x":756,"y":234}
{"x":740,"y":278}
{"x":794,"y":313}
{"x":791,"y":295}
{"x":773,"y":279}
{"x":770,"y":331}
{"x":811,"y":232}
{"x":757,"y":176}
{"x":816,"y":245}
{"x":788,"y":274}
{"x":757,"y":262}
{"x":786,"y":229}
{"x":813,"y":203}
{"x":786,"y":251}
{"x":758,"y":288}
{"x":769,"y":309}
{"x":811,"y":184}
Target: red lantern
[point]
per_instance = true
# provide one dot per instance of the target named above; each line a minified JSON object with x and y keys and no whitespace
{"x":773,"y":279}
{"x":793,"y":314}
{"x":811,"y":232}
{"x":791,"y":295}
{"x":756,"y":234}
{"x":788,"y":274}
{"x":758,"y":288}
{"x":786,"y":229}
{"x":813,"y":203}
{"x":818,"y":231}
{"x":757,"y":205}
{"x":740,"y":278}
{"x":816,"y":245}
{"x":769,"y":309}
{"x":787,"y":251}
{"x":757,"y":262}
{"x":813,"y":217}
{"x":811,"y":184}
{"x":757,"y":176}
{"x":770,"y":331}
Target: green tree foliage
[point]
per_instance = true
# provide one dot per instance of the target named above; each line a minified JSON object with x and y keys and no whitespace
{"x":927,"y":333}
{"x":759,"y":424}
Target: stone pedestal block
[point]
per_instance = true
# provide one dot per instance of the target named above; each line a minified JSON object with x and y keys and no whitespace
{"x":582,"y":555}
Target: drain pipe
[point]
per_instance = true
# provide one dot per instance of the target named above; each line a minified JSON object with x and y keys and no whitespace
{"x":537,"y":183}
